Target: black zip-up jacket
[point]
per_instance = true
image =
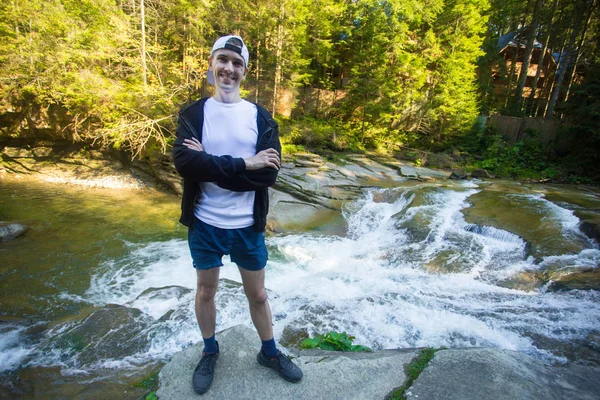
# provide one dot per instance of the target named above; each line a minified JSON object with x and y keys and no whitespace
{"x":226,"y":171}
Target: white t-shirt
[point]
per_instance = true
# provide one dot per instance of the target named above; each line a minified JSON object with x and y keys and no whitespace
{"x":229,"y":129}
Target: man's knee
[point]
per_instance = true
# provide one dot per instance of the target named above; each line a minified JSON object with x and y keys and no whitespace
{"x":257,"y":297}
{"x":206,"y":292}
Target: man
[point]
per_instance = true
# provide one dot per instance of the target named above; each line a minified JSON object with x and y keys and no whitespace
{"x":227,"y":151}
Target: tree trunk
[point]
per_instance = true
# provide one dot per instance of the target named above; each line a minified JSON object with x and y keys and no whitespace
{"x":278,"y":51}
{"x":185,"y":48}
{"x":144,"y":68}
{"x":511,"y":74}
{"x":527,"y":56}
{"x":549,"y":82}
{"x":541,"y":58}
{"x":579,"y":50}
{"x":256,"y":90}
{"x":564,"y":66}
{"x":513,"y":65}
{"x":31,"y":67}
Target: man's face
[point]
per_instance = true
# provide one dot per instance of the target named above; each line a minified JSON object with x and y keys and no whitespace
{"x":228,"y":68}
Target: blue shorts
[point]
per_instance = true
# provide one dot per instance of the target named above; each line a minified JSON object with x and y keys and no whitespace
{"x":208,"y":244}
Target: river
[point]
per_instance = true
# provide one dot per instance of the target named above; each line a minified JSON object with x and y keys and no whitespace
{"x":99,"y":292}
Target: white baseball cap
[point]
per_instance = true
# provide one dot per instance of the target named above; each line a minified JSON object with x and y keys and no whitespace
{"x":229,"y":42}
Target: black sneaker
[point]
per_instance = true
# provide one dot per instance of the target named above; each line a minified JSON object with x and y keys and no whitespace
{"x":282,"y":364}
{"x":205,"y":372}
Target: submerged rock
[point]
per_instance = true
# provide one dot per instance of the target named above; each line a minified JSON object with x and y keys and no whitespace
{"x":292,"y":337}
{"x":112,"y":332}
{"x":591,"y":229}
{"x":11,"y":231}
{"x":584,"y":279}
{"x":555,"y":280}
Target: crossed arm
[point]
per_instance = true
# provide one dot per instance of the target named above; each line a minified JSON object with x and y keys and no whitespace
{"x":268,"y":158}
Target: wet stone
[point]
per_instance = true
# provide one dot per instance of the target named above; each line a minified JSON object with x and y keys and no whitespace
{"x":292,"y":337}
{"x":458,"y":174}
{"x":167,"y":292}
{"x":591,"y":229}
{"x":11,"y":231}
{"x":112,"y":332}
{"x":480,"y":173}
{"x":584,"y":279}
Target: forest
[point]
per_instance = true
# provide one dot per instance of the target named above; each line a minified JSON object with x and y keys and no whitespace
{"x":339,"y":75}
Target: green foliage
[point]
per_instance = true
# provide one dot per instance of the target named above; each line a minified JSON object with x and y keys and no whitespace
{"x":149,"y":382}
{"x":292,"y":149}
{"x":413,"y":370}
{"x":333,"y":341}
{"x":151,"y":396}
{"x":579,"y":149}
{"x":386,"y":73}
{"x":525,"y":159}
{"x":417,"y":366}
{"x":313,"y":133}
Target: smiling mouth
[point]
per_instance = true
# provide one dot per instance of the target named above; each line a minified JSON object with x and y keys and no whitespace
{"x":227,"y":77}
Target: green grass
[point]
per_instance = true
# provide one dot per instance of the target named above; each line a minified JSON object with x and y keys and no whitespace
{"x":413,"y":370}
{"x":151,"y":396}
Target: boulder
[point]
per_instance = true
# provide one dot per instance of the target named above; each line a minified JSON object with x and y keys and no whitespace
{"x":11,"y":231}
{"x":578,"y":279}
{"x":458,"y":174}
{"x":327,"y":375}
{"x":480,"y":373}
{"x":111,"y":332}
{"x":480,"y":173}
{"x":591,"y":229}
{"x":456,"y":374}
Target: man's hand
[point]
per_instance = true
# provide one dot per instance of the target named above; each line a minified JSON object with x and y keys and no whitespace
{"x":266,"y":158}
{"x":193,"y":144}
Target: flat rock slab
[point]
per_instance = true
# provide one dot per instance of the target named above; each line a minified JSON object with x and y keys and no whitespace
{"x":502,"y":375}
{"x":411,"y":171}
{"x":327,"y":375}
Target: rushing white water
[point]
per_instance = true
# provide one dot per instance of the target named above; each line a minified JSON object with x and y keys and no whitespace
{"x":12,"y":349}
{"x":409,"y":273}
{"x":566,"y":218}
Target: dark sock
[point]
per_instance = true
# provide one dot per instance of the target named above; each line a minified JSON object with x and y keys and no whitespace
{"x":269,"y":347}
{"x":210,"y":345}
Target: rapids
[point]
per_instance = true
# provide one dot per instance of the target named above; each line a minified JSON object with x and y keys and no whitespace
{"x":106,"y":284}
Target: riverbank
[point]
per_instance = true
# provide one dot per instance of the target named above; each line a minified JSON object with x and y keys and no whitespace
{"x":64,"y":162}
{"x":314,"y":184}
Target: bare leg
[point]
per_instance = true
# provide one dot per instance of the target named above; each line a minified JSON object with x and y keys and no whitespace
{"x":254,"y":287}
{"x":206,"y":311}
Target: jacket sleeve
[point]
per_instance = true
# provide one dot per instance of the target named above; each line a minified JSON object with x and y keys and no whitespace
{"x":199,"y":166}
{"x":251,"y":180}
